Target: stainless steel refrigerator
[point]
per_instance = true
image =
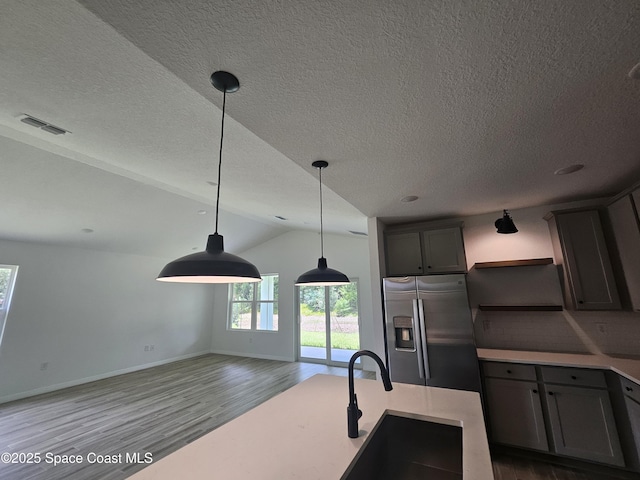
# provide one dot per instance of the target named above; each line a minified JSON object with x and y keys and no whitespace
{"x":429,"y":332}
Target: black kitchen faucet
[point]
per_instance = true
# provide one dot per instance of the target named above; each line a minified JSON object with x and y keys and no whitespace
{"x":353,"y":412}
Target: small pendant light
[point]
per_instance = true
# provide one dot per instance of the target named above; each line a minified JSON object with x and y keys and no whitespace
{"x":213,"y":265}
{"x":322,"y":275}
{"x":505,"y":224}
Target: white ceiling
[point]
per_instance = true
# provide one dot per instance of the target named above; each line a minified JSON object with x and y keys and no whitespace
{"x":470,"y":105}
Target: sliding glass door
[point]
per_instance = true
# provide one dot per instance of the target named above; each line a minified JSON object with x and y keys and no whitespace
{"x":329,"y":326}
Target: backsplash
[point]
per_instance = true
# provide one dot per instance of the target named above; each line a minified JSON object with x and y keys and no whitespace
{"x":567,"y":331}
{"x":610,"y":333}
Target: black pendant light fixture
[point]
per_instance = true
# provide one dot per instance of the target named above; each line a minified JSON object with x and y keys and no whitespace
{"x":213,"y":265}
{"x":505,"y":224}
{"x":322,"y":275}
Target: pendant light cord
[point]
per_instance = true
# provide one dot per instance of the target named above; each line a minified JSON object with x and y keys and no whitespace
{"x":224,"y":102}
{"x":321,"y":225}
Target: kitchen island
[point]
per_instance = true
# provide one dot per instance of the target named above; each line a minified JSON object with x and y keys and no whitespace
{"x":302,"y":433}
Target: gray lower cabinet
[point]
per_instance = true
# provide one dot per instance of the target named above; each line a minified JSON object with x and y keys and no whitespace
{"x":631,"y":393}
{"x":562,"y":410}
{"x":582,"y":424}
{"x":518,"y":416}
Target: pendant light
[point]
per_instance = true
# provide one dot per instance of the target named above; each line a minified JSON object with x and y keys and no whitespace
{"x":322,"y":275}
{"x":505,"y":224}
{"x":213,"y":265}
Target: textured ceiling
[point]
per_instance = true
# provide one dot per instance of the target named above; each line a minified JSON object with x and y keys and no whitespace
{"x":470,"y":105}
{"x":123,"y":215}
{"x":133,"y":119}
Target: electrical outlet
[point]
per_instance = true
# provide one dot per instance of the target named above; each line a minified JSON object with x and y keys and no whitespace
{"x":146,"y":348}
{"x":44,"y":365}
{"x":602,"y":328}
{"x":152,"y":348}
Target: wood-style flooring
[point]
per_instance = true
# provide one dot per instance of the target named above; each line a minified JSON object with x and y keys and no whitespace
{"x":161,"y":409}
{"x":517,"y":467}
{"x":157,"y":410}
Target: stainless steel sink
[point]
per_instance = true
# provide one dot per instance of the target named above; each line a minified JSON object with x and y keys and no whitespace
{"x":405,"y":448}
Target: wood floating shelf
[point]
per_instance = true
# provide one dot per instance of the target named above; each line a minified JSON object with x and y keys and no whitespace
{"x":520,"y":308}
{"x":515,"y":263}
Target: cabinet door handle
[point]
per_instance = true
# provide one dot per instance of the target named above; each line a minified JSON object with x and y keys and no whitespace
{"x":580,"y":302}
{"x":629,"y":389}
{"x":573,"y":377}
{"x":428,"y":266}
{"x":508,"y":371}
{"x":534,"y":390}
{"x":550,"y":393}
{"x":419,"y":268}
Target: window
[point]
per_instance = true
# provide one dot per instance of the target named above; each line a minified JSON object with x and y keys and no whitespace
{"x":254,"y":306}
{"x":7,"y":281}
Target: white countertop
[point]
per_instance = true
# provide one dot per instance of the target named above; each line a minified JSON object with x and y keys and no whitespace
{"x":627,"y":367}
{"x":302,"y":433}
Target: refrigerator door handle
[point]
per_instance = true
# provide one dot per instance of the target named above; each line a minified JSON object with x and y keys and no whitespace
{"x":418,"y":337}
{"x":423,"y":339}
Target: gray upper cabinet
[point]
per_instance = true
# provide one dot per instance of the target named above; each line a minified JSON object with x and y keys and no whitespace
{"x":636,"y":196}
{"x":425,"y":251}
{"x":443,"y":251}
{"x":404,"y":254}
{"x":579,"y":247}
{"x":626,"y":228}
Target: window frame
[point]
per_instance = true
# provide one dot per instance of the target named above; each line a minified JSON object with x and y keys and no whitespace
{"x":255,"y":304}
{"x":6,"y":303}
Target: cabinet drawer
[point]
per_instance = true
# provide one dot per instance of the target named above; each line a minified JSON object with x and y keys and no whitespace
{"x":573,"y":376}
{"x":515,"y":371}
{"x":630,"y":389}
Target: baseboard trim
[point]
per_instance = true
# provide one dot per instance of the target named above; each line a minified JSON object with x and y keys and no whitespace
{"x":93,"y":378}
{"x":253,"y":355}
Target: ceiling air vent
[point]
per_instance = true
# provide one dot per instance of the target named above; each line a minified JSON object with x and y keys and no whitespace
{"x":34,"y":122}
{"x":47,"y":127}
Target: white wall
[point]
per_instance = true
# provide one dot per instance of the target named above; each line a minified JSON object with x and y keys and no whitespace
{"x":567,"y":331}
{"x":378,"y":272}
{"x":483,"y":244}
{"x":290,"y":255}
{"x":89,"y":314}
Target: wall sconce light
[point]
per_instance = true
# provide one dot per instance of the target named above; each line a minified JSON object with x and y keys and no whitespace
{"x":505,"y":224}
